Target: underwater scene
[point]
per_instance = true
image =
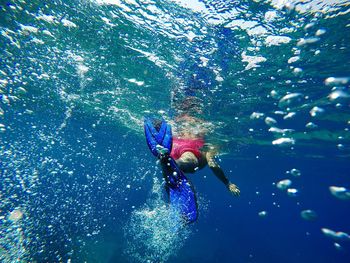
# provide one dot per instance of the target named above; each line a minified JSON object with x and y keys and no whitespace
{"x":175,"y":131}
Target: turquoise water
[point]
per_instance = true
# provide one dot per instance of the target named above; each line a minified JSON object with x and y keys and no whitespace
{"x":78,"y":183}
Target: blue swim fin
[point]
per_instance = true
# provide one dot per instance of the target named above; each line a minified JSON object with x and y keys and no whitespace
{"x":158,"y":136}
{"x":183,"y":202}
{"x":181,"y":195}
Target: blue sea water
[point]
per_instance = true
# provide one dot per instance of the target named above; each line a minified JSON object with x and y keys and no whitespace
{"x":78,"y":183}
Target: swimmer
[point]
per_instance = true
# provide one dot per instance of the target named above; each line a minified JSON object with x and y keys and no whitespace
{"x":190,"y":154}
{"x":177,"y":156}
{"x":190,"y":151}
{"x":185,"y":152}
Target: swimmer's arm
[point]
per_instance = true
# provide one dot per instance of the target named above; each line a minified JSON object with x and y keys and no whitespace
{"x":214,"y":166}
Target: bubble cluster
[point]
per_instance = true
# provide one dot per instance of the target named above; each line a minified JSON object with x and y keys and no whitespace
{"x":153,"y":234}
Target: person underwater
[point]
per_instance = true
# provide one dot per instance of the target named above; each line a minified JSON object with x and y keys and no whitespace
{"x":179,"y":155}
{"x":190,"y":154}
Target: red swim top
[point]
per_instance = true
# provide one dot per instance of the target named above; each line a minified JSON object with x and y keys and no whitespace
{"x":186,"y":145}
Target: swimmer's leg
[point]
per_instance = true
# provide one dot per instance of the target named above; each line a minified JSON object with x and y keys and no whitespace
{"x":181,"y":195}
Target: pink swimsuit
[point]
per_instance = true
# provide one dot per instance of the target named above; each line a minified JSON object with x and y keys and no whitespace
{"x":186,"y":145}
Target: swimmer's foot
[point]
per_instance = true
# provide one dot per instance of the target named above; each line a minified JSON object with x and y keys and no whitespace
{"x":233,"y":189}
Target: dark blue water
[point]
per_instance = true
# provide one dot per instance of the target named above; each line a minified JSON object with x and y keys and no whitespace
{"x":78,"y":183}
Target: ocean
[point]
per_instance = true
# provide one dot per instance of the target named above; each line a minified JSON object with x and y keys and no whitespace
{"x":271,"y":79}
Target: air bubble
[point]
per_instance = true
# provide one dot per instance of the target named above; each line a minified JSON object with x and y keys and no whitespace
{"x":279,"y":112}
{"x":293,"y":59}
{"x":332,"y":81}
{"x":309,"y":25}
{"x":270,"y":121}
{"x":297,"y":71}
{"x":256,"y":115}
{"x":311,"y":125}
{"x":291,"y":99}
{"x":338,"y":105}
{"x":338,"y":246}
{"x":340,"y":236}
{"x":308,"y":215}
{"x":295,"y":172}
{"x":5,"y":99}
{"x":340,"y":192}
{"x":320,"y":32}
{"x":284,"y":141}
{"x":2,"y":129}
{"x":280,"y":131}
{"x":284,"y":184}
{"x":316,"y":111}
{"x":340,"y":146}
{"x":262,"y":214}
{"x":289,"y":115}
{"x":339,"y":95}
{"x":274,"y":94}
{"x":292,"y":192}
{"x":15,"y":215}
{"x":307,"y":41}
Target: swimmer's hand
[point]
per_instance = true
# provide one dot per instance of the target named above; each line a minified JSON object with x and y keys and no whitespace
{"x":233,"y":189}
